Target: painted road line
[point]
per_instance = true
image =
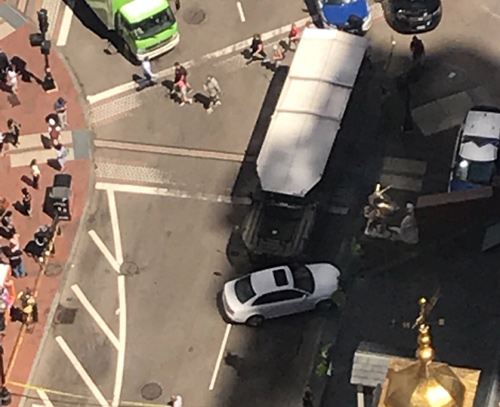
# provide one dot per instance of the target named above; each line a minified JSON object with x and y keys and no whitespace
{"x":172,"y":193}
{"x":219,"y":357}
{"x":95,"y":315}
{"x":43,"y":396}
{"x":240,"y":10}
{"x":24,"y":158}
{"x":239,"y":46}
{"x":104,"y":250}
{"x":177,"y":151}
{"x":81,"y":371}
{"x":120,"y":362}
{"x":115,"y":227}
{"x":62,"y":38}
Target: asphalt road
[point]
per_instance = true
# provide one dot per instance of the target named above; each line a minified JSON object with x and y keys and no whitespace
{"x":175,"y":219}
{"x":98,"y":70}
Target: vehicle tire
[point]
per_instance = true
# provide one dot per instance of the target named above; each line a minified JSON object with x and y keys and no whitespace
{"x":324,"y":305}
{"x":255,"y":320}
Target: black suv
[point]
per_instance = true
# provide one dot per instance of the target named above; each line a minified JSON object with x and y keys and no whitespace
{"x":412,"y":16}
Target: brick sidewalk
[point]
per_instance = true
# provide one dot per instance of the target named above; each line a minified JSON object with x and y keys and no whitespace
{"x":30,"y":110}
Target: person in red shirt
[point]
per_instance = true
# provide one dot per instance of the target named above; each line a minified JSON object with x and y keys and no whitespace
{"x":293,"y":37}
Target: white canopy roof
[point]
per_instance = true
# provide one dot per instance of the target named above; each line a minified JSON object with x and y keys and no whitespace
{"x":309,"y":111}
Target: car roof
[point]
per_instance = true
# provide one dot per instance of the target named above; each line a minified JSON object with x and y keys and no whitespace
{"x":273,"y":279}
{"x":483,"y":124}
{"x":485,"y":153}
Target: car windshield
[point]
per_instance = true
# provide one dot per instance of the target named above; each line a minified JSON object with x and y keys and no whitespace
{"x":153,"y":25}
{"x":244,"y":290}
{"x":302,"y":278}
{"x":338,"y":2}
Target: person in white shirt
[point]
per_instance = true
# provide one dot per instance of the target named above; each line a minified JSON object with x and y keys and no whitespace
{"x":176,"y":401}
{"x":149,"y":75}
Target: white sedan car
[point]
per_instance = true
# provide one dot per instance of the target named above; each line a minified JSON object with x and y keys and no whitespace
{"x":279,"y":291}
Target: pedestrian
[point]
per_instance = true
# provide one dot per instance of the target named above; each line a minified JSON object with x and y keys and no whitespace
{"x":417,"y":50}
{"x":181,"y":73}
{"x":177,"y":5}
{"x":14,"y":255}
{"x":26,"y":202}
{"x":62,"y":153}
{"x":183,"y":89}
{"x":54,"y":132}
{"x":11,"y":79}
{"x":293,"y":37}
{"x":257,"y":47}
{"x":149,"y":75}
{"x":176,"y":401}
{"x":4,"y":63}
{"x":62,"y":112}
{"x":214,"y":92}
{"x":278,"y":55}
{"x":2,"y":141}
{"x":14,"y":131}
{"x":35,"y":174}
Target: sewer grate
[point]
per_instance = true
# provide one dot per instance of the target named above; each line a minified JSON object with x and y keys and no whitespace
{"x":64,"y":315}
{"x":151,"y":391}
{"x":194,"y":15}
{"x":129,"y":268}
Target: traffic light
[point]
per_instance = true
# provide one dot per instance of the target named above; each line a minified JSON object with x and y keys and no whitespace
{"x":45,"y":47}
{"x":43,"y":21}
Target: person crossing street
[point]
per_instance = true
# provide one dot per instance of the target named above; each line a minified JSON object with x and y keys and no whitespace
{"x":214,"y":92}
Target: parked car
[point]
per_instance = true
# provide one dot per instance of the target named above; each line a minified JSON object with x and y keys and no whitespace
{"x":336,"y":13}
{"x":476,"y":149}
{"x":279,"y":291}
{"x":412,"y":16}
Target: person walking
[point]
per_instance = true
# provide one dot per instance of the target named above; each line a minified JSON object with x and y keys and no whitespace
{"x":54,"y":132}
{"x":214,"y":92}
{"x":62,"y":112}
{"x":11,"y":79}
{"x":14,"y":255}
{"x":35,"y":174}
{"x":183,"y":90}
{"x":14,"y":131}
{"x":149,"y":75}
{"x":181,"y":73}
{"x":2,"y":141}
{"x":293,"y":37}
{"x":257,"y":48}
{"x":417,"y":50}
{"x":278,"y":55}
{"x":26,"y":201}
{"x":62,"y":153}
{"x":4,"y":63}
{"x":176,"y":401}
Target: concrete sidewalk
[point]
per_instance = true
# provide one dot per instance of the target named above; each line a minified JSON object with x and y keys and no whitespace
{"x":29,"y":108}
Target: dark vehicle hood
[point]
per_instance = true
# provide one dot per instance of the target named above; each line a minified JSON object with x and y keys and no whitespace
{"x":416,"y":5}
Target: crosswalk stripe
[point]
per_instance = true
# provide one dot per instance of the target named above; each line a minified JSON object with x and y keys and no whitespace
{"x":33,"y":141}
{"x":24,"y":159}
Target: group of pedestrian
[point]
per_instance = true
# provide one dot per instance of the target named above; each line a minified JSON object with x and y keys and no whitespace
{"x":12,"y":251}
{"x":8,"y":73}
{"x":181,"y":88}
{"x":57,"y":121}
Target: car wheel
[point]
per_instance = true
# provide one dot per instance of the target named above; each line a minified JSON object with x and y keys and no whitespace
{"x":255,"y":320}
{"x":324,"y":305}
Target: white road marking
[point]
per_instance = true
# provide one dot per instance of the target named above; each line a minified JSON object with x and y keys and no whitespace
{"x":115,"y":227}
{"x":95,"y":315}
{"x":239,"y":46}
{"x":240,"y":10}
{"x":81,"y":371}
{"x":104,"y":250}
{"x":492,"y":13}
{"x":172,"y":193}
{"x":177,"y":151}
{"x":219,"y":357}
{"x":43,"y":396}
{"x":62,"y":38}
{"x":120,"y":362}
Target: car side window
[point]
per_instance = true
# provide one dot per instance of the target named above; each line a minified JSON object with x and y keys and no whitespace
{"x":278,"y":296}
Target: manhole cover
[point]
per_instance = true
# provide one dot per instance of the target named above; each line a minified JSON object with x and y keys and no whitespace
{"x":53,"y":269}
{"x":129,"y":268}
{"x":151,"y":391}
{"x":64,"y":315}
{"x":194,"y":15}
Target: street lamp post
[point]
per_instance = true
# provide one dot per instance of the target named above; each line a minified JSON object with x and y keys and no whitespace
{"x":5,"y":396}
{"x":40,"y":40}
